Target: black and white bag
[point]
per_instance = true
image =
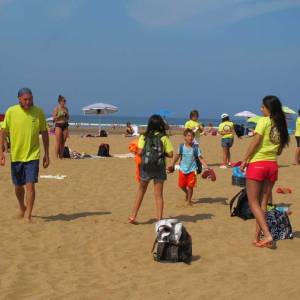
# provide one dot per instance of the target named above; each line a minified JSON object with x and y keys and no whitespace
{"x":174,"y":243}
{"x":279,"y":225}
{"x":242,"y":208}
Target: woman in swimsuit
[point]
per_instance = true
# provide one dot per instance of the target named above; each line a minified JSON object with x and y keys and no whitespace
{"x":61,"y":118}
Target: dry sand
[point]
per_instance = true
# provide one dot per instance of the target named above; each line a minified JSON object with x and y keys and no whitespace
{"x":81,"y":246}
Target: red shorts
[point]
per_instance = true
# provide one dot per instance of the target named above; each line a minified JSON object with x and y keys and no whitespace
{"x":187,"y":180}
{"x":262,"y":170}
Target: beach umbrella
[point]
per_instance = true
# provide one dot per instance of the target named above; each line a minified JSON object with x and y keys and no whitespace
{"x":164,"y":112}
{"x":245,"y":114}
{"x":288,"y":110}
{"x":254,"y":119}
{"x":99,"y":109}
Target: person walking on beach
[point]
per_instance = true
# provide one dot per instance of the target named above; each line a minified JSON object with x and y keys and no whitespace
{"x":24,"y":122}
{"x":153,"y":146}
{"x":297,"y":135}
{"x":195,"y":125}
{"x":226,"y":130}
{"x":270,"y":138}
{"x":61,"y":118}
{"x":188,"y":153}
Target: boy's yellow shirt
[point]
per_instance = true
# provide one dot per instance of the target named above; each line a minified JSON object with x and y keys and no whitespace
{"x":225,"y":126}
{"x":168,"y":147}
{"x":24,"y":128}
{"x":268,"y":149}
{"x":192,"y":125}
{"x":297,"y":133}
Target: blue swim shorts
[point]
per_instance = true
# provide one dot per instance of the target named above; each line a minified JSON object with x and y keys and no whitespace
{"x":227,"y":143}
{"x":25,"y":172}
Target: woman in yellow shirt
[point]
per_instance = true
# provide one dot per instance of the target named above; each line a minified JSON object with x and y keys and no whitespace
{"x":153,"y":146}
{"x":297,"y":135}
{"x":271,"y":137}
{"x":226,"y":130}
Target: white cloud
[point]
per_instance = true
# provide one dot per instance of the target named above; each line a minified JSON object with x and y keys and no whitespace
{"x":65,"y":8}
{"x":164,"y":13}
{"x":3,"y":2}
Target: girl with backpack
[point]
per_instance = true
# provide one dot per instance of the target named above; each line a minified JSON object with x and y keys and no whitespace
{"x":271,"y":137}
{"x":153,"y":146}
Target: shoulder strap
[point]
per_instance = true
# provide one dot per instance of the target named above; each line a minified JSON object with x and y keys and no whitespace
{"x":180,"y":149}
{"x":234,"y":199}
{"x":195,"y":149}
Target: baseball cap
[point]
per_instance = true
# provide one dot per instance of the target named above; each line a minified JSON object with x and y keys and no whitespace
{"x":224,"y":116}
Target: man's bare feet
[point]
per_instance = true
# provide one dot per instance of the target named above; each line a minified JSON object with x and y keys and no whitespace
{"x":22,"y":212}
{"x":190,"y":203}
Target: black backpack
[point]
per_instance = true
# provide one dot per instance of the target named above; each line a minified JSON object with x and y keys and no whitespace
{"x":239,"y":130}
{"x":242,"y":208}
{"x":279,"y":225}
{"x":170,"y":250}
{"x":104,"y":150}
{"x":66,"y":152}
{"x":153,"y":157}
{"x":198,"y":162}
{"x":103,"y":133}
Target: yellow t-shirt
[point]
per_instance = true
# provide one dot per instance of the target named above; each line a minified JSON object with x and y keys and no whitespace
{"x":227,"y":126}
{"x":268,"y":149}
{"x":297,"y":133}
{"x":168,"y":147}
{"x":24,"y":128}
{"x":193,"y":125}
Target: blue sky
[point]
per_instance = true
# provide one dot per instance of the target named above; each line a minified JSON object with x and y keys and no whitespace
{"x":144,"y":55}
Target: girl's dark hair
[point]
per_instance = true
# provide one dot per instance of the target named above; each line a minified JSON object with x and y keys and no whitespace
{"x":274,"y":106}
{"x":299,"y":112}
{"x":225,"y":119}
{"x":194,"y":113}
{"x":61,"y":98}
{"x":155,"y":124}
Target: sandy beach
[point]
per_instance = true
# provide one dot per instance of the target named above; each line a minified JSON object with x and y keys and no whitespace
{"x":82,"y":247}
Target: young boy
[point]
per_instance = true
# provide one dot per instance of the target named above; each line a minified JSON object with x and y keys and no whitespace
{"x":188,"y":166}
{"x":195,"y":125}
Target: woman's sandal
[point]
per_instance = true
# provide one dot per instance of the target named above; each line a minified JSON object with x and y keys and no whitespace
{"x":265,"y":244}
{"x":132,"y":220}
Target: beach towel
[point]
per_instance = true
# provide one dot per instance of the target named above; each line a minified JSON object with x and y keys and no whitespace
{"x":58,"y":177}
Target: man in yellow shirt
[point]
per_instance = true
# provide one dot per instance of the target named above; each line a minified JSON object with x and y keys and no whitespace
{"x":195,"y":125}
{"x":24,"y":122}
{"x":297,"y":135}
{"x":226,"y":130}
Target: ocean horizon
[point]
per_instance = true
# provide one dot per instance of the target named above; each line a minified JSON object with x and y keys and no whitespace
{"x":177,"y":121}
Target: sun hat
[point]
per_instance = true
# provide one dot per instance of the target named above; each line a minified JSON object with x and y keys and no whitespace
{"x":224,"y":116}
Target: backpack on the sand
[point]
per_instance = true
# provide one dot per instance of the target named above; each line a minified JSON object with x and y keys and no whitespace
{"x":242,"y":208}
{"x":104,"y":150}
{"x":279,"y":225}
{"x":174,"y":244}
{"x":66,"y":152}
{"x":103,"y":133}
{"x":153,"y":157}
{"x":195,"y":151}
